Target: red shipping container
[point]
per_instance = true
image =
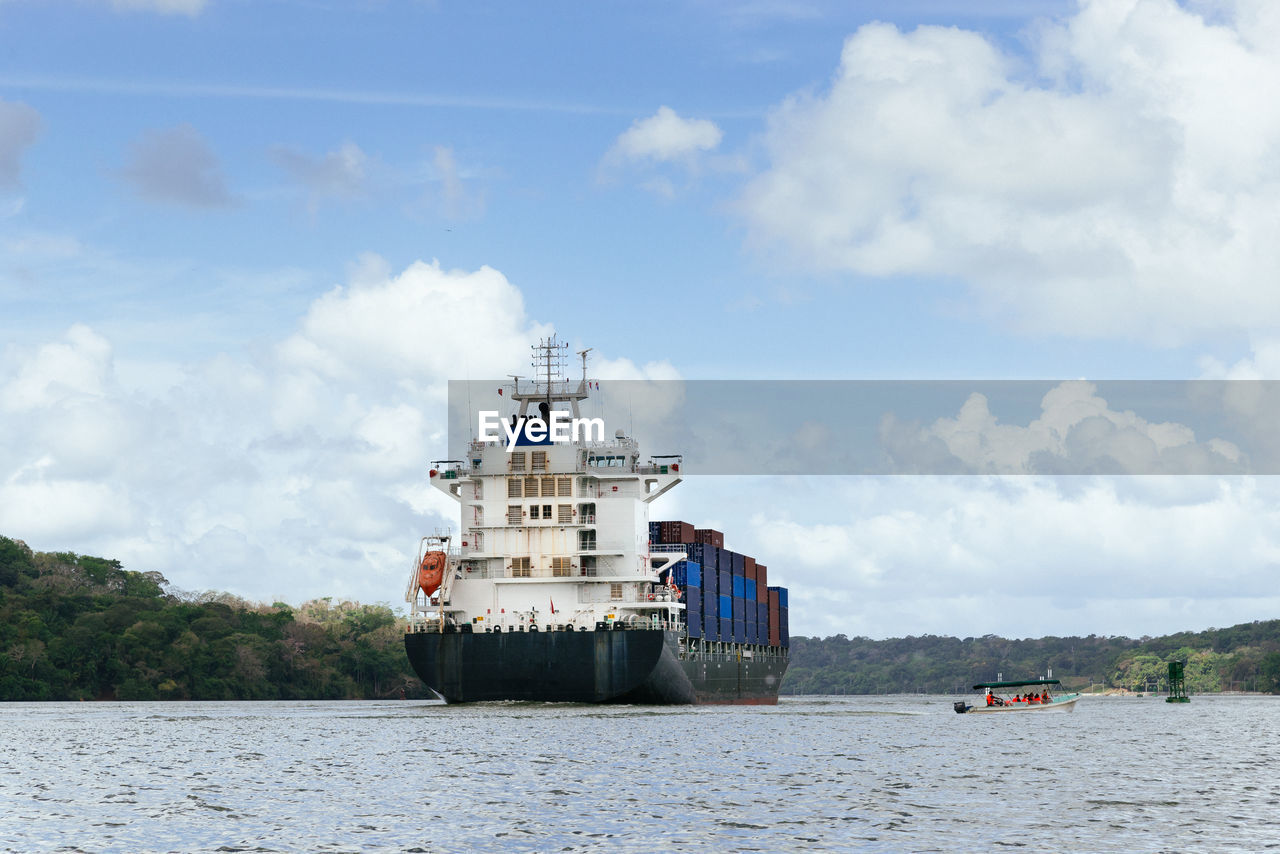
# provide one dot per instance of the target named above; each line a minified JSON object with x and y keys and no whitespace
{"x":749,"y":568}
{"x":675,"y":532}
{"x":708,"y":537}
{"x":762,"y":583}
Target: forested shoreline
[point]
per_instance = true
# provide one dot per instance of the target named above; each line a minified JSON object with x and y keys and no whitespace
{"x":76,"y":627}
{"x":1240,"y":658}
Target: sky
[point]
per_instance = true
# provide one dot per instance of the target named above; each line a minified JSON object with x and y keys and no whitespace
{"x":244,"y":247}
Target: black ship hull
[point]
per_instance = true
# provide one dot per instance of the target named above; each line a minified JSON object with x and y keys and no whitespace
{"x":641,"y":666}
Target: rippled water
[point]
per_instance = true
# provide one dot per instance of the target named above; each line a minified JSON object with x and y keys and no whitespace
{"x":813,"y":774}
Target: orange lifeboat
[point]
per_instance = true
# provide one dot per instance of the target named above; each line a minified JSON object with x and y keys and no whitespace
{"x":431,"y":572}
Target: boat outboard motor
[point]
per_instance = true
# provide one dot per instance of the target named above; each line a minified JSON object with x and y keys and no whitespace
{"x":961,"y":707}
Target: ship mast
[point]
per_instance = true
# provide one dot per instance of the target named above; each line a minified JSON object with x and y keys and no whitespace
{"x":549,"y":383}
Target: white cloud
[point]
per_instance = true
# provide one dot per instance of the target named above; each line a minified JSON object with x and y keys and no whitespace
{"x":1076,"y":432}
{"x":457,"y":199}
{"x":665,"y":136}
{"x":415,"y":327}
{"x":177,"y":166}
{"x":1018,"y":556}
{"x":78,"y":366}
{"x":341,"y":174}
{"x":297,"y":471}
{"x":19,"y":127}
{"x":1124,"y":185}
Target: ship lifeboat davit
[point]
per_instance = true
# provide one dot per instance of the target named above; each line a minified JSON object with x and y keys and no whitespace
{"x":431,"y":572}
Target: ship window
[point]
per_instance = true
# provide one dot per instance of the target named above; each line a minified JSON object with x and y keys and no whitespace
{"x":615,"y":592}
{"x":513,"y":488}
{"x":514,"y":514}
{"x":546,"y":512}
{"x":587,"y":514}
{"x":560,"y":567}
{"x":520,"y":567}
{"x":564,"y":514}
{"x":517,"y":460}
{"x":531,"y":487}
{"x":539,"y":461}
{"x":564,"y":487}
{"x":533,"y":512}
{"x":609,"y":461}
{"x":589,"y":566}
{"x":548,"y":487}
{"x":586,"y":541}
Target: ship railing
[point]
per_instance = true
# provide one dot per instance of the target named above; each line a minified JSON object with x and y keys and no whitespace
{"x":420,"y":623}
{"x":600,"y":594}
{"x":449,"y":469}
{"x":523,"y":623}
{"x":667,"y":548}
{"x":651,"y":469}
{"x":532,"y":572}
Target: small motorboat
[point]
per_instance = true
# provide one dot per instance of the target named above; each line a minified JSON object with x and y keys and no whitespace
{"x":1005,"y":697}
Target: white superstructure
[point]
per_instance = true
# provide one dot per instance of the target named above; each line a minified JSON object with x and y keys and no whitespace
{"x":553,"y":534}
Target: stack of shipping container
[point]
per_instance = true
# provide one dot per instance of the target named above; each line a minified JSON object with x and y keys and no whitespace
{"x":727,"y":595}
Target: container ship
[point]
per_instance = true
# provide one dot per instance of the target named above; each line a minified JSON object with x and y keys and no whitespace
{"x":559,"y":588}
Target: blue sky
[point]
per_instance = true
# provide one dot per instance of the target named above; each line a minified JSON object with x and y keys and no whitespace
{"x":244,"y":245}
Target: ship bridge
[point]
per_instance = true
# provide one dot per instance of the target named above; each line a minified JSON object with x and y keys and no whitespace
{"x":555,"y":533}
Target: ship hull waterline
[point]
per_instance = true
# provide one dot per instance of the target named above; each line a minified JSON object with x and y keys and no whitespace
{"x":636,"y":666}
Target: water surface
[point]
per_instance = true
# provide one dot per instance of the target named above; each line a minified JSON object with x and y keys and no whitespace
{"x":812,"y":774}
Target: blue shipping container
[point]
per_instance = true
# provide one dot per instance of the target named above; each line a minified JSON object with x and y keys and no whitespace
{"x":739,"y":608}
{"x":726,"y":581}
{"x":782,"y":598}
{"x":704,"y":554}
{"x":710,"y":627}
{"x":710,"y":603}
{"x":726,"y":630}
{"x":726,"y":607}
{"x":739,"y":631}
{"x":654,"y":529}
{"x":710,"y":580}
{"x":695,"y":624}
{"x":753,"y":632}
{"x":687,"y":574}
{"x":739,"y":564}
{"x":762,"y":616}
{"x":739,"y":586}
{"x":693,"y":600}
{"x":751,"y":588}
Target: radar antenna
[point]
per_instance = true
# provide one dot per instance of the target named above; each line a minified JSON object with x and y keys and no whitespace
{"x":549,"y":356}
{"x":549,"y":384}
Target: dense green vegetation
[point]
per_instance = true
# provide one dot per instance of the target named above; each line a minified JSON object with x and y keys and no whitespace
{"x":74,"y":627}
{"x":1240,"y":658}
